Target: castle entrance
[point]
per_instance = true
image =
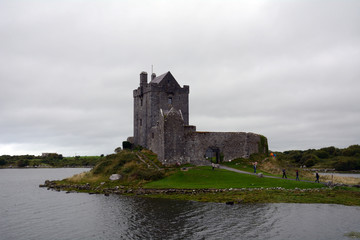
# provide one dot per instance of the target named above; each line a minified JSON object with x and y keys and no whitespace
{"x":213,"y":154}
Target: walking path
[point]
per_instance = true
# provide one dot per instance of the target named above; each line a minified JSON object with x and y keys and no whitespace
{"x":256,"y":174}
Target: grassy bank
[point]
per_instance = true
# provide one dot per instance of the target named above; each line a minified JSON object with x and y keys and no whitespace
{"x":141,"y":174}
{"x":325,"y":196}
{"x":204,"y":177}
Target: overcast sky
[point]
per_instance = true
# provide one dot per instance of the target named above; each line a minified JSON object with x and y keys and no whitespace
{"x":289,"y":70}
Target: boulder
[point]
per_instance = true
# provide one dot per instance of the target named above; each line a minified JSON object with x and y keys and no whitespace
{"x":115,"y":177}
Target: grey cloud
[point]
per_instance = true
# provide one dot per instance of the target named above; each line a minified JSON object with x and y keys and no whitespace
{"x":284,"y":69}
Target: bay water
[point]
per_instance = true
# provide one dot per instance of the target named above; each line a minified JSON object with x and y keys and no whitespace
{"x":29,"y":212}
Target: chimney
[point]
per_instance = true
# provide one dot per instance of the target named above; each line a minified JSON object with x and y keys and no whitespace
{"x":153,"y":75}
{"x":143,"y":78}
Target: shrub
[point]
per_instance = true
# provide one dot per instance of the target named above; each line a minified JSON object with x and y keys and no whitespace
{"x":309,"y":160}
{"x":322,"y":154}
{"x":100,"y":168}
{"x":147,"y":174}
{"x":3,"y":162}
{"x":351,"y":150}
{"x":22,"y":163}
{"x":127,"y":145}
{"x":128,"y":167}
{"x":346,"y":164}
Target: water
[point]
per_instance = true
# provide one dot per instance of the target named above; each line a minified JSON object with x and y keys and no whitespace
{"x":355,"y":175}
{"x":30,"y":212}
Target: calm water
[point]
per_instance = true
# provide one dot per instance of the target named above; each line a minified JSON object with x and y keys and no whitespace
{"x":355,"y":175}
{"x":30,"y":212}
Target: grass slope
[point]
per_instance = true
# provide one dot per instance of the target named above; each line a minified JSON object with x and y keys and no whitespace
{"x":204,"y":177}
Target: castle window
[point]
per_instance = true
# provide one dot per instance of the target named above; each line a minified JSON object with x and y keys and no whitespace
{"x":152,"y":135}
{"x":141,"y":101}
{"x":170,"y":100}
{"x":140,"y":122}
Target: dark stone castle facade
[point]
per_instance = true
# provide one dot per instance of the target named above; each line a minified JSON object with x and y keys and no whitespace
{"x":161,"y":124}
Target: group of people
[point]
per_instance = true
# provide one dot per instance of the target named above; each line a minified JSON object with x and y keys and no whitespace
{"x":297,"y":175}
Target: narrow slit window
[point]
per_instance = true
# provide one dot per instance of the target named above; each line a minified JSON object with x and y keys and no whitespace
{"x":170,"y":100}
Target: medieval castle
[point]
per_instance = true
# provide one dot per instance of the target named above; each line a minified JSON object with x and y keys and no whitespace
{"x":161,"y":124}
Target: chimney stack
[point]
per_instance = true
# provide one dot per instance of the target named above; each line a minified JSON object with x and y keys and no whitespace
{"x":143,"y":78}
{"x":153,"y":75}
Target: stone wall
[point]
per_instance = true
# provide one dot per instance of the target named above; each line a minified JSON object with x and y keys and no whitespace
{"x":179,"y":143}
{"x":231,"y":145}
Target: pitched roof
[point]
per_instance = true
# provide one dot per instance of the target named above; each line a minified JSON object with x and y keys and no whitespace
{"x":158,"y":79}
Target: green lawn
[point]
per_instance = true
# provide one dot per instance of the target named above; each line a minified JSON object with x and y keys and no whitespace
{"x":204,"y":177}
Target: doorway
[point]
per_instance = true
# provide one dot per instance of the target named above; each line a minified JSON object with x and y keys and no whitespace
{"x":213,"y":154}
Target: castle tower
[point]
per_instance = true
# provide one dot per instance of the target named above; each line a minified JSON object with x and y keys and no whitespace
{"x":162,"y":92}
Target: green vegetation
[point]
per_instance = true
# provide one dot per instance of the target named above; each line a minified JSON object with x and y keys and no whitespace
{"x":353,"y":234}
{"x":127,"y":145}
{"x":133,"y":171}
{"x":50,"y":160}
{"x":329,"y":157}
{"x":142,"y":174}
{"x":204,"y":177}
{"x":328,"y":196}
{"x":263,"y":146}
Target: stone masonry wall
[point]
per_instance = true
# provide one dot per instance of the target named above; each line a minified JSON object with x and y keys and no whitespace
{"x":230,"y":144}
{"x":182,"y":144}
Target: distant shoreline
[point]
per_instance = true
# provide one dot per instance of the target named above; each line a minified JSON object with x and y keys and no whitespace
{"x":45,"y":167}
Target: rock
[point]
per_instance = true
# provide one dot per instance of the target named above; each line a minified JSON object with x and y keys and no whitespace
{"x":115,"y":177}
{"x":329,"y":184}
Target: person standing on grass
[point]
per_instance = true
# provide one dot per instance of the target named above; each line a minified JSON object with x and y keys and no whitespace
{"x":317,"y":177}
{"x":297,"y":175}
{"x":284,"y":173}
{"x":255,"y":163}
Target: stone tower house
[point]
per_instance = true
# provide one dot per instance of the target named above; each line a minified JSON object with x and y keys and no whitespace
{"x":161,"y":124}
{"x":162,"y":92}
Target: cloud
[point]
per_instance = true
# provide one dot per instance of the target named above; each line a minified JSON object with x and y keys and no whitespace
{"x":287,"y":70}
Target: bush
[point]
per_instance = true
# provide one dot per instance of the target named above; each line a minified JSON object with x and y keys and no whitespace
{"x":322,"y":154}
{"x":309,"y":160}
{"x":3,"y":162}
{"x":351,"y":150}
{"x":22,"y":163}
{"x":100,"y":168}
{"x":346,"y":164}
{"x":147,"y":174}
{"x":127,"y":145}
{"x":128,"y":167}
